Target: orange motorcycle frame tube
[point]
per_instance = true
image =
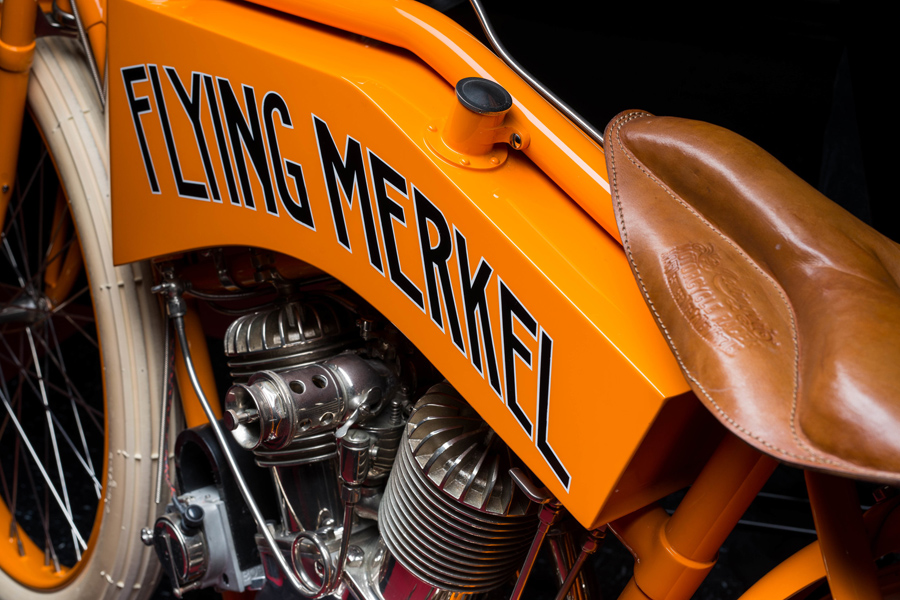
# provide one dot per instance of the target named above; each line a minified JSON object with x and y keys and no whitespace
{"x":16,"y":52}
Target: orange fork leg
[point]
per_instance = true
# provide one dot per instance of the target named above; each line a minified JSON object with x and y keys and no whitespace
{"x":16,"y":54}
{"x":676,"y":553}
{"x":842,"y":537}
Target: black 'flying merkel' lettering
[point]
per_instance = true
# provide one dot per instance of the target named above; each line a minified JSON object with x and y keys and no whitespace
{"x":434,"y":261}
{"x":352,"y":175}
{"x":191,"y":105}
{"x":186,"y":189}
{"x":299,"y":210}
{"x":247,"y":133}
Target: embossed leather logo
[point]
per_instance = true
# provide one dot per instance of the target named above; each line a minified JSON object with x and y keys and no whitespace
{"x":711,"y":299}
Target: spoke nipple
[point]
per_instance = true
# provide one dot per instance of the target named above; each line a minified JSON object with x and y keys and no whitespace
{"x":5,"y":188}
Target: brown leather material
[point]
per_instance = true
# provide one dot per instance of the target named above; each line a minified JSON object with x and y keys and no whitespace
{"x":782,"y":309}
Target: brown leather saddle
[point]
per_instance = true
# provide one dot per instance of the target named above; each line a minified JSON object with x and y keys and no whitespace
{"x":782,"y":309}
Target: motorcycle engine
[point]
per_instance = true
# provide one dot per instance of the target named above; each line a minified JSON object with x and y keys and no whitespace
{"x":388,"y":484}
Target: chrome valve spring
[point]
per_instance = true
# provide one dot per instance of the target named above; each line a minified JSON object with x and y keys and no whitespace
{"x":451,"y":515}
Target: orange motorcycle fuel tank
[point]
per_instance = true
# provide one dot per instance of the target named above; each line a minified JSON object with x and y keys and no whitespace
{"x":232,"y":124}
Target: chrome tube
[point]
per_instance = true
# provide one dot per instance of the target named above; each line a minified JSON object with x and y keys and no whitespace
{"x":286,"y":569}
{"x":549,"y":96}
{"x":163,"y":452}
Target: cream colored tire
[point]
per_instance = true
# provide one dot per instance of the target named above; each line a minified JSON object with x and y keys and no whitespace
{"x":65,"y":107}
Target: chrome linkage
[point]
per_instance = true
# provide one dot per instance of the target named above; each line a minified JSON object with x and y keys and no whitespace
{"x":550,"y":513}
{"x":551,"y":510}
{"x":61,"y":23}
{"x":167,"y":387}
{"x":55,"y":23}
{"x":593,"y":542}
{"x":176,"y":308}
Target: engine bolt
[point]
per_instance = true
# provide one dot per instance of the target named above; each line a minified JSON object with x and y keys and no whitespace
{"x":146,"y":536}
{"x":355,"y":556}
{"x":231,"y":419}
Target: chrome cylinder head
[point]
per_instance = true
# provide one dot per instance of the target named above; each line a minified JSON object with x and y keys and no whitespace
{"x":288,"y":336}
{"x":451,"y":514}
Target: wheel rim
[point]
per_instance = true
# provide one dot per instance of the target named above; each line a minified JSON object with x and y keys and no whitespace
{"x":53,"y":442}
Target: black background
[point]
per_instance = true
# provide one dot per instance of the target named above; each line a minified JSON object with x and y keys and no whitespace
{"x":808,"y":80}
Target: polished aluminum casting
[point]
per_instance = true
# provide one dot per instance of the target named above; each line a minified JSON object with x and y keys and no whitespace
{"x":272,"y":410}
{"x":288,"y":336}
{"x":181,"y":551}
{"x":456,"y":518}
{"x":308,"y":495}
{"x":451,"y":515}
{"x":201,"y":555}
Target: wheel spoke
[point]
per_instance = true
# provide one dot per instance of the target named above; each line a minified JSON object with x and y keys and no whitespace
{"x":51,"y":432}
{"x":16,"y":401}
{"x":13,"y":524}
{"x":66,"y":513}
{"x":71,"y":390}
{"x":61,"y":364}
{"x":70,"y":299}
{"x":53,"y":418}
{"x":13,"y":531}
{"x":87,"y":468}
{"x":22,"y":238}
{"x":23,"y":193}
{"x":49,"y":550}
{"x":13,"y":263}
{"x":59,"y":229}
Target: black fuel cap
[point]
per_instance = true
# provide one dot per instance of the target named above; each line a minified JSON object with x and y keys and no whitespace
{"x":483,"y":96}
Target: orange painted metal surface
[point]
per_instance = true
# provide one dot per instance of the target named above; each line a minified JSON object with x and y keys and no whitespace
{"x":883,"y":526}
{"x":675,"y":449}
{"x":800,"y":571}
{"x":806,"y":568}
{"x":842,"y":537}
{"x":93,"y":17}
{"x":674,"y":554}
{"x":64,"y":264}
{"x":570,"y":159}
{"x":572,"y":347}
{"x":718,"y":499}
{"x":16,"y":52}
